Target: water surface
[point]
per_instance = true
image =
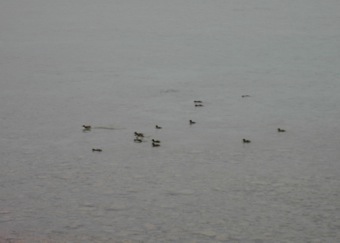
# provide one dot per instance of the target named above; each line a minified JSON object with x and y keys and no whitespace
{"x":125,"y":66}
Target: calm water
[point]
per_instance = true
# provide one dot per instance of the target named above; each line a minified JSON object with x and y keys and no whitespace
{"x":125,"y":66}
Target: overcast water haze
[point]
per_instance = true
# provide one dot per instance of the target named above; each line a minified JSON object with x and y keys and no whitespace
{"x":126,"y":66}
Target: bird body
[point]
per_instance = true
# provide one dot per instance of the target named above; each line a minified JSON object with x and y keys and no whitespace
{"x":96,"y":150}
{"x":138,"y":140}
{"x":137,"y":134}
{"x":155,"y":144}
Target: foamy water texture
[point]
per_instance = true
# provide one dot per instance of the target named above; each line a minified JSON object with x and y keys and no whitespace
{"x":126,"y":66}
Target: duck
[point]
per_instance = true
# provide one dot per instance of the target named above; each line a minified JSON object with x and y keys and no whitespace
{"x":137,"y":134}
{"x":156,"y":145}
{"x":246,"y":141}
{"x":280,"y":130}
{"x":87,"y":127}
{"x":155,"y":141}
{"x":191,"y":122}
{"x":158,"y":127}
{"x":96,"y":150}
{"x":138,"y":140}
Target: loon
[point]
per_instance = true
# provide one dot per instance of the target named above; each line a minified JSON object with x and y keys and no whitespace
{"x":155,"y":144}
{"x":191,"y":122}
{"x":137,"y":134}
{"x":246,"y":141}
{"x":138,"y":140}
{"x":96,"y":150}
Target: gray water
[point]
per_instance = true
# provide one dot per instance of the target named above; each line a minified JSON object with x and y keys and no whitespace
{"x":125,"y":66}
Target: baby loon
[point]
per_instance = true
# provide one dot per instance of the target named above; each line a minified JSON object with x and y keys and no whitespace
{"x":246,"y":141}
{"x":158,"y":127}
{"x":280,"y":130}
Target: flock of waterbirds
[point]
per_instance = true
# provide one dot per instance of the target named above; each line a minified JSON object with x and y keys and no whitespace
{"x":139,"y":136}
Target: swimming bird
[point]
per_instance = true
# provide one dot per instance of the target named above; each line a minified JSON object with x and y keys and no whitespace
{"x":87,"y":127}
{"x":197,"y":101}
{"x":198,"y":105}
{"x":96,"y":150}
{"x":191,"y":122}
{"x":138,"y":140}
{"x":155,"y":141}
{"x":137,"y":134}
{"x":246,"y":141}
{"x":280,"y":130}
{"x":245,"y":96}
{"x":156,"y":145}
{"x":158,"y":127}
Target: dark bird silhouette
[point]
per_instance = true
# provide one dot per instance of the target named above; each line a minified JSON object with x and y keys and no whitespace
{"x":87,"y":127}
{"x":158,"y":127}
{"x":96,"y":150}
{"x":156,"y":145}
{"x":280,"y":130}
{"x":246,"y":141}
{"x":137,"y":134}
{"x":138,"y":140}
{"x":191,"y":122}
{"x":155,"y":141}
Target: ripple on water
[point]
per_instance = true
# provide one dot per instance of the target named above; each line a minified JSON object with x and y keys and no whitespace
{"x":206,"y":232}
{"x":180,"y":192}
{"x":74,"y":226}
{"x":116,"y":207}
{"x":86,"y":206}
